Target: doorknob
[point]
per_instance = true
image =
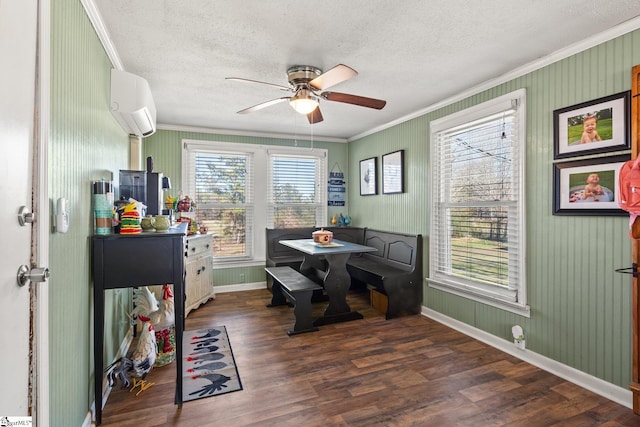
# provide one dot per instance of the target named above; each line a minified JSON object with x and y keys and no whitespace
{"x":25,"y":216}
{"x":37,"y":275}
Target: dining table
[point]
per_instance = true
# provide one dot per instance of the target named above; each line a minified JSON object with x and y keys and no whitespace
{"x":337,"y":280}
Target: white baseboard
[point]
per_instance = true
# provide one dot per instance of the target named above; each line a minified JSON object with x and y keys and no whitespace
{"x":605,"y":389}
{"x":106,"y":389}
{"x":240,"y":287}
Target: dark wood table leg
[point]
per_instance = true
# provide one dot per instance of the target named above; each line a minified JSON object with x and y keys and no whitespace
{"x":336,"y":283}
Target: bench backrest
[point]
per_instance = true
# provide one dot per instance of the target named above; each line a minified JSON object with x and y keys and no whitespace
{"x":403,"y":251}
{"x":348,"y":234}
{"x":274,"y":235}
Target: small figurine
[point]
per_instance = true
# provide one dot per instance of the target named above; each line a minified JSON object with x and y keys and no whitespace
{"x":185,"y":205}
{"x":130,"y":219}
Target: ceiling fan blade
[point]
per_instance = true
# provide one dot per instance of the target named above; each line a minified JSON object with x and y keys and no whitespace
{"x":315,"y":116}
{"x":336,"y":75}
{"x":238,"y":79}
{"x":264,"y":105}
{"x":362,"y":101}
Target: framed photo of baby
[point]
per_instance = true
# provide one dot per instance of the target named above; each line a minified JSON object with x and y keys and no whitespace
{"x":593,"y":127}
{"x":588,"y":187}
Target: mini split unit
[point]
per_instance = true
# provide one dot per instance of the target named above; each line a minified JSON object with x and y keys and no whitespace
{"x":132,"y":103}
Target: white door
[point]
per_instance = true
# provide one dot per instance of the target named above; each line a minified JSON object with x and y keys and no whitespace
{"x":18,"y":35}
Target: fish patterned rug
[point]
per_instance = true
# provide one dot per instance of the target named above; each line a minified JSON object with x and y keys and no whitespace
{"x":209,"y":368}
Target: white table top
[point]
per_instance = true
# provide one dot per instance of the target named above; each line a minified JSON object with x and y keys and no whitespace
{"x":336,"y":247}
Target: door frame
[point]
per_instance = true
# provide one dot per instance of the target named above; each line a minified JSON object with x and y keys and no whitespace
{"x":39,"y":293}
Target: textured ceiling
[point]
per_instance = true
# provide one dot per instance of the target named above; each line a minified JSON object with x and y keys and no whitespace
{"x":413,"y":53}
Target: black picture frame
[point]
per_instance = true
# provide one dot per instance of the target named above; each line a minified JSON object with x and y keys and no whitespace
{"x":612,"y":114}
{"x":368,"y":177}
{"x":570,"y":180}
{"x":393,"y":172}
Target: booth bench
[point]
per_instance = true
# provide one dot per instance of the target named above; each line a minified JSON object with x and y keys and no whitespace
{"x":395,"y":269}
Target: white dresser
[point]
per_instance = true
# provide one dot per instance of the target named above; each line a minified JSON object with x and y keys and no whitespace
{"x":199,"y":271}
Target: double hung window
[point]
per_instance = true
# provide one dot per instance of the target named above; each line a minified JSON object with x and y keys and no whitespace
{"x":241,"y":189}
{"x":477,"y":220}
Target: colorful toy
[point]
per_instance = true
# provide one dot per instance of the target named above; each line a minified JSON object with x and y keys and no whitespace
{"x":130,"y":219}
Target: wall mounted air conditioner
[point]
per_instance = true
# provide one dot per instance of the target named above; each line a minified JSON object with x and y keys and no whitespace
{"x":132,"y":103}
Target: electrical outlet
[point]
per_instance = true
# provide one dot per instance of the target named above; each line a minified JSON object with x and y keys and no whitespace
{"x":242,"y":277}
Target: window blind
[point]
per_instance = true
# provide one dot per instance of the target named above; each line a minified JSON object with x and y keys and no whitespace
{"x":295,"y":191}
{"x":224,"y":199}
{"x":477,"y":216}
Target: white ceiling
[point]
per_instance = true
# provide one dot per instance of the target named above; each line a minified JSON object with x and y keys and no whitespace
{"x":413,"y":53}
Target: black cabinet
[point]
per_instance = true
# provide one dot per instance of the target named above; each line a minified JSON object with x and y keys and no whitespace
{"x":125,"y":261}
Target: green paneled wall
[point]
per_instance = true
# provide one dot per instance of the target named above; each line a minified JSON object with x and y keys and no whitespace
{"x":580,"y":308}
{"x":165,"y":146}
{"x":85,"y":144}
{"x":240,"y":275}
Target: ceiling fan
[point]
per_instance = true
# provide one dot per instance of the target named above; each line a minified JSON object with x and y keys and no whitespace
{"x":307,"y":83}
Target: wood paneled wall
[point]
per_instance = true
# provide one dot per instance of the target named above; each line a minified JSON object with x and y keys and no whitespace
{"x":580,"y":307}
{"x":85,"y":144}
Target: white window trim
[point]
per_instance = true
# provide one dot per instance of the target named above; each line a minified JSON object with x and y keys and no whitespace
{"x":512,"y":300}
{"x":261,"y":174}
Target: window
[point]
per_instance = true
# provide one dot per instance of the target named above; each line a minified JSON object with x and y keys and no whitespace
{"x":477,"y":220}
{"x":241,"y":189}
{"x":295,"y":191}
{"x":224,"y":199}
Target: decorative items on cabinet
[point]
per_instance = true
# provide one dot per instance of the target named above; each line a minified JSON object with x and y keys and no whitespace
{"x":199,"y":268}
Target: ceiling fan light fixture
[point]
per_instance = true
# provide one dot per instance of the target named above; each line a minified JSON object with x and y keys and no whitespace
{"x":303,"y":102}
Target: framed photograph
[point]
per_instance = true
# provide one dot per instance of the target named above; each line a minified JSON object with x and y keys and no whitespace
{"x":368,"y":184}
{"x":392,"y":172}
{"x":593,"y":127}
{"x":588,"y":187}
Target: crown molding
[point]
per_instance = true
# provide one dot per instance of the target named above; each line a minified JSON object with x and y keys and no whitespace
{"x":103,"y":34}
{"x":178,"y":128}
{"x":610,"y":34}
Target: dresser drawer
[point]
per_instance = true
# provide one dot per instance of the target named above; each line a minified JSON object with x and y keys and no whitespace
{"x":198,"y":244}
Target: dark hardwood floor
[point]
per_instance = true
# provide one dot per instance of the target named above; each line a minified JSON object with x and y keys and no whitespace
{"x":410,"y":371}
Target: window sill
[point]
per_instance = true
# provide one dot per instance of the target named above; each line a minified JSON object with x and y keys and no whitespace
{"x":513,"y":307}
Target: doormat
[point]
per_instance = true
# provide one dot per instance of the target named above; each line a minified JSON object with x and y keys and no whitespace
{"x":209,"y":368}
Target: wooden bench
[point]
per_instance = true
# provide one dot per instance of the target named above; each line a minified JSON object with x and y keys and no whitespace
{"x":395,"y":269}
{"x":288,"y":284}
